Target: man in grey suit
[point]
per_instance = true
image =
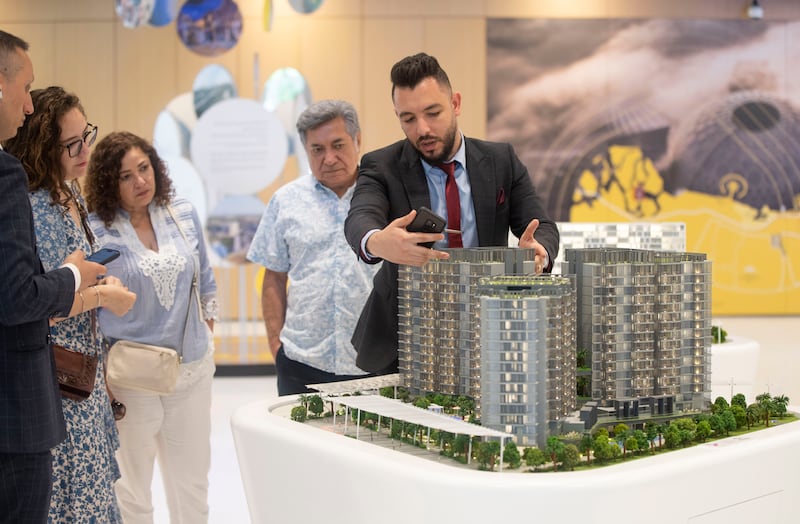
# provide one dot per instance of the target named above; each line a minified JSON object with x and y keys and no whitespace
{"x":31,"y":420}
{"x":481,"y":187}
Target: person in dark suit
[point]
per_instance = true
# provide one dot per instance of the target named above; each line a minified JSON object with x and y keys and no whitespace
{"x":31,"y":420}
{"x":494,"y":193}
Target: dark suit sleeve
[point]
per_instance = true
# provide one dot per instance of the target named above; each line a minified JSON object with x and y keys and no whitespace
{"x":369,"y":208}
{"x":26,"y":294}
{"x":525,"y":205}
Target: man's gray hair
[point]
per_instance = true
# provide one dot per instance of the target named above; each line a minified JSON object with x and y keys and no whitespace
{"x":323,"y":112}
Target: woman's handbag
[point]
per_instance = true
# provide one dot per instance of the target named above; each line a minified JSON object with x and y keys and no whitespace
{"x":75,"y":372}
{"x":133,"y":365}
{"x":153,"y":369}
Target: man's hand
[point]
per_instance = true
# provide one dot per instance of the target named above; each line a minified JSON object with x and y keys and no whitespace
{"x":90,"y":271}
{"x":395,"y":244}
{"x":527,"y":241}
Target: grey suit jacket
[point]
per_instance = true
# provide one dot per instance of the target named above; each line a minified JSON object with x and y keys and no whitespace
{"x":31,"y":419}
{"x":392,"y":182}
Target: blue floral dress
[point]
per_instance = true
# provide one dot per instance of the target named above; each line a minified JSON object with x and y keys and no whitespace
{"x":84,"y":467}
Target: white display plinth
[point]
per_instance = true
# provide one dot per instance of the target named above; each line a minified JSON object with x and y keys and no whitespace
{"x":734,"y":365}
{"x":294,"y":472}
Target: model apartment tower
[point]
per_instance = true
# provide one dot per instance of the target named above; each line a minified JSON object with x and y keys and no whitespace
{"x":528,"y":359}
{"x":644,"y":318}
{"x":479,"y":325}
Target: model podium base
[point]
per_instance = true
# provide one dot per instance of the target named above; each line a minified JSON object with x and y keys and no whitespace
{"x":295,"y":472}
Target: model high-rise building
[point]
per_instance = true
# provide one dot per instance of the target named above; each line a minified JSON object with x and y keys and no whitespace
{"x":527,"y":349}
{"x":438,"y":326}
{"x":644,"y":318}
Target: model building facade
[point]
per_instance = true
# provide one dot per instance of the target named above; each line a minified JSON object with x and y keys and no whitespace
{"x":527,"y":347}
{"x":644,"y":317}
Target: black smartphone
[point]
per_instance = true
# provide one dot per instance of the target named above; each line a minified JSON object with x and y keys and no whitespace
{"x":427,"y":221}
{"x":104,"y":256}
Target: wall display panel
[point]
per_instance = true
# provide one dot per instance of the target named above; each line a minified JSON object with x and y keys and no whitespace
{"x":663,"y":120}
{"x":345,"y":49}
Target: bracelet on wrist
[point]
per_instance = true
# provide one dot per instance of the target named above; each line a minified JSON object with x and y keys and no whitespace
{"x":97,"y":292}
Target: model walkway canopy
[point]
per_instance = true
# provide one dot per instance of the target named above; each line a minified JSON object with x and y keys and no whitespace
{"x":398,"y":410}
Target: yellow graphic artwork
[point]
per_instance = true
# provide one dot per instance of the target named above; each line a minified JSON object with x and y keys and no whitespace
{"x":755,"y":253}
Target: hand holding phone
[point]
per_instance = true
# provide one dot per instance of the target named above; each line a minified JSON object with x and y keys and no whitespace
{"x":426,"y":221}
{"x":103,"y":256}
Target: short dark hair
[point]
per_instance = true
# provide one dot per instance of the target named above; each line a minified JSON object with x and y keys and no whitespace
{"x":323,"y":112}
{"x":8,"y":48}
{"x":412,"y":70}
{"x":102,"y":184}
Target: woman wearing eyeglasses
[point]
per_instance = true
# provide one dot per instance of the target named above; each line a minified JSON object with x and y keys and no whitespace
{"x":53,"y":146}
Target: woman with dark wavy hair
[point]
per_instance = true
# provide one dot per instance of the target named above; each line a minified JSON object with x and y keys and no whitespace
{"x":53,"y":146}
{"x":164,"y":260}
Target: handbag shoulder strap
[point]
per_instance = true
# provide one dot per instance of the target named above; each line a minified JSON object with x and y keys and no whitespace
{"x":195,"y":280}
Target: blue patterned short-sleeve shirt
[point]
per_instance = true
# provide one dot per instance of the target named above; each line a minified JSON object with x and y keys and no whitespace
{"x":302,"y":233}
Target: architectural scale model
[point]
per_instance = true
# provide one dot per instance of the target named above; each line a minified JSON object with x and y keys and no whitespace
{"x":479,"y":325}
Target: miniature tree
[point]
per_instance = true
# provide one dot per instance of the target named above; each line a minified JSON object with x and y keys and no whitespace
{"x":298,"y":414}
{"x":603,"y":448}
{"x":781,"y":404}
{"x":316,"y":405}
{"x":303,"y":399}
{"x":422,"y":402}
{"x":642,"y":441}
{"x":672,"y":436}
{"x":687,"y":430}
{"x":630,"y":444}
{"x":488,"y":451}
{"x":651,"y":431}
{"x":534,"y":457}
{"x":767,"y":405}
{"x":716,"y":424}
{"x":620,"y":434}
{"x":739,"y":400}
{"x":554,"y":448}
{"x":719,"y":405}
{"x":739,"y":415}
{"x":729,"y":421}
{"x":511,"y":455}
{"x":703,"y":430}
{"x":753,"y":412}
{"x":460,"y":445}
{"x":585,"y":446}
{"x":570,"y":457}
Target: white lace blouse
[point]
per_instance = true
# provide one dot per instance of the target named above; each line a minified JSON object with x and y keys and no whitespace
{"x":165,"y":312}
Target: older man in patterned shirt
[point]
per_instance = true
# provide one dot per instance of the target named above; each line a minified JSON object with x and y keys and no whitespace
{"x":300,"y":241}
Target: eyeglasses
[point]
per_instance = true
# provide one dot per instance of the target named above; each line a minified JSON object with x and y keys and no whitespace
{"x":75,"y":147}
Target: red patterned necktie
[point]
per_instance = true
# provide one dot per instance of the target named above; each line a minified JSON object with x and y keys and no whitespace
{"x":453,"y":204}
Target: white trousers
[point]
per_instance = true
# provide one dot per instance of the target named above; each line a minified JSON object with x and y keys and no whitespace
{"x":176,"y":429}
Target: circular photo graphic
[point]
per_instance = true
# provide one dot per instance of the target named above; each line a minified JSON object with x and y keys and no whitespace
{"x":212,"y":84}
{"x":286,"y":93}
{"x":134,"y":13}
{"x":209,"y":27}
{"x":164,"y":12}
{"x":305,"y":6}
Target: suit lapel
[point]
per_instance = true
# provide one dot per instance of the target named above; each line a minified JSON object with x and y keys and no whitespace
{"x":481,"y":174}
{"x":414,"y":180}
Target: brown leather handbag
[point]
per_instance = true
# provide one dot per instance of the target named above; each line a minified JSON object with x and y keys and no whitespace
{"x":75,"y":372}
